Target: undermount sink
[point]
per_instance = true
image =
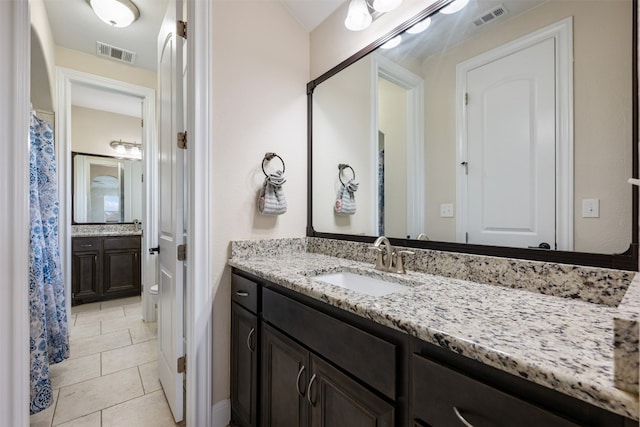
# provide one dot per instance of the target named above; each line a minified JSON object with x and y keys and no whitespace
{"x":359,"y":283}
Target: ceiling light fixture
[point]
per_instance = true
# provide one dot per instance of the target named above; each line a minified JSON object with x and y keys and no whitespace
{"x":124,"y":147}
{"x":358,"y":18}
{"x":455,"y":6}
{"x":385,"y":5}
{"x":117,"y":13}
{"x":392,"y":43}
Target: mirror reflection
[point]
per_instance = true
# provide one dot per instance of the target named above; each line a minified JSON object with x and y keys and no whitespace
{"x":508,"y":123}
{"x":106,"y":189}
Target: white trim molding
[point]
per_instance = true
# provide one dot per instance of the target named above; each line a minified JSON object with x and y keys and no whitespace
{"x":15,"y":41}
{"x":562,"y":33}
{"x":199,"y":284}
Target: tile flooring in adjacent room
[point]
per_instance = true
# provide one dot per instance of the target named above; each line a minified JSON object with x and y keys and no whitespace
{"x":111,"y":377}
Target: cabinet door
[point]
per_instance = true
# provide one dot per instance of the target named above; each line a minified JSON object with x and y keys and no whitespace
{"x":121,"y":265}
{"x":284,"y":379}
{"x":338,"y":400}
{"x":244,"y":366}
{"x":85,"y":278}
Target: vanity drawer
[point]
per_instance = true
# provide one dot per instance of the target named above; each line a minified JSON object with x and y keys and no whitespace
{"x":365,"y":356}
{"x":442,"y":397}
{"x":80,"y":244}
{"x":122,"y":242}
{"x":245,"y":292}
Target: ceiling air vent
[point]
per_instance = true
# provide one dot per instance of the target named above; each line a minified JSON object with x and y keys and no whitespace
{"x":490,"y":15}
{"x":115,"y":53}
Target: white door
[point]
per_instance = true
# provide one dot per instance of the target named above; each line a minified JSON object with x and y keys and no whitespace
{"x":170,"y":215}
{"x":511,"y":146}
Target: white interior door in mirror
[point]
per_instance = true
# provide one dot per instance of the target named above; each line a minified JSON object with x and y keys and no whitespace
{"x":510,"y":165}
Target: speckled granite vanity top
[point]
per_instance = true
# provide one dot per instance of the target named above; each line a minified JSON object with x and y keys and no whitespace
{"x":104,"y":230}
{"x":562,"y":343}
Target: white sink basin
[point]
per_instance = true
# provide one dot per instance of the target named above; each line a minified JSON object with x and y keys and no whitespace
{"x":359,"y":283}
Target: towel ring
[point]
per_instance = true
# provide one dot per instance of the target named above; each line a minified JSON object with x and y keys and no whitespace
{"x":341,"y":168}
{"x":268,"y":157}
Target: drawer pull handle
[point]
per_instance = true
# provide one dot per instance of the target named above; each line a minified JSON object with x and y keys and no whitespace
{"x":313,"y":378}
{"x":251,"y":332}
{"x":86,"y":246}
{"x":301,"y":393}
{"x":242,"y":293}
{"x":461,"y":418}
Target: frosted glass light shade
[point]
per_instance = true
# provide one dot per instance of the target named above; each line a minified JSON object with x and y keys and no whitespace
{"x":420,"y":26}
{"x":385,"y":5}
{"x":392,"y":43}
{"x":358,"y":17}
{"x":117,"y":13}
{"x":454,"y":7}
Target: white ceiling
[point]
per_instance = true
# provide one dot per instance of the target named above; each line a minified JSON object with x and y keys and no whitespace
{"x":75,"y":26}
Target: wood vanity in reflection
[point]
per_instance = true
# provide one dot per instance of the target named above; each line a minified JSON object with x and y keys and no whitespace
{"x":105,"y":267}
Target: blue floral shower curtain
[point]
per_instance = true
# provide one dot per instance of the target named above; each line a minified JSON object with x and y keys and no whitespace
{"x":49,"y":341}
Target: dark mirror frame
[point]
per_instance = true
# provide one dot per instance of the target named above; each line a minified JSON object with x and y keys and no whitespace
{"x":73,"y":190}
{"x":627,"y":260}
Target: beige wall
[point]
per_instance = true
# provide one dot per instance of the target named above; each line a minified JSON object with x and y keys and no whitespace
{"x":342,"y":142}
{"x":93,"y":130}
{"x":602,"y":118}
{"x":92,"y":64}
{"x":43,"y":94}
{"x":261,"y":67}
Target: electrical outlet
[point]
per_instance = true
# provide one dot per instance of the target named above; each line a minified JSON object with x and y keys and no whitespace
{"x":590,"y":208}
{"x":446,"y":210}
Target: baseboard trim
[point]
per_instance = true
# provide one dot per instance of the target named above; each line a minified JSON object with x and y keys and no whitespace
{"x":221,"y":413}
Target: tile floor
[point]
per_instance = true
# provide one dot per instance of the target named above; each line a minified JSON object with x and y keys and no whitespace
{"x":111,"y":377}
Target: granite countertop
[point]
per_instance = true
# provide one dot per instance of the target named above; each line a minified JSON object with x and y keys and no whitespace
{"x":104,"y":233}
{"x":563,"y":344}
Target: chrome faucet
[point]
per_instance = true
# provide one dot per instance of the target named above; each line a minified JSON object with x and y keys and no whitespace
{"x":389,"y":258}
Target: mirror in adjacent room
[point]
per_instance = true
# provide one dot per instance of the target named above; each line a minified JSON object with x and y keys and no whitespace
{"x":506,"y":124}
{"x":106,"y":189}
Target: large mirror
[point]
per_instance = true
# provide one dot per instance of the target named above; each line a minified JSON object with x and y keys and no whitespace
{"x":106,"y":189}
{"x":505,"y":128}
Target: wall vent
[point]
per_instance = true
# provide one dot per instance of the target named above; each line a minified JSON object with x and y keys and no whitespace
{"x":115,"y":53}
{"x":490,"y":15}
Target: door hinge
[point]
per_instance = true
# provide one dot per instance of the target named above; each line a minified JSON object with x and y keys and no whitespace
{"x":142,"y":123}
{"x":182,"y":364}
{"x":182,"y":140}
{"x":142,"y":177}
{"x":466,"y":237}
{"x":466,"y":99}
{"x":182,"y":252}
{"x":182,"y":28}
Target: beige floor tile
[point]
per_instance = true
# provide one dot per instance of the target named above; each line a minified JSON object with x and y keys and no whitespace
{"x":144,"y":332}
{"x":44,"y":418}
{"x":91,"y":420}
{"x":120,"y":302}
{"x":86,"y":346}
{"x":119,"y":324}
{"x":150,"y":410}
{"x":92,"y":306}
{"x":150,"y":378}
{"x":82,"y":399}
{"x":73,"y":371}
{"x":126,"y":357}
{"x":87,"y":317}
{"x":134,"y":310}
{"x":85,"y":331}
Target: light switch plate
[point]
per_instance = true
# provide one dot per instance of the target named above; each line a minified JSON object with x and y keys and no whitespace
{"x":446,"y":210}
{"x":590,"y":208}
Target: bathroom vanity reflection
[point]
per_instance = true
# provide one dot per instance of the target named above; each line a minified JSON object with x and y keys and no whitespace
{"x":106,"y":189}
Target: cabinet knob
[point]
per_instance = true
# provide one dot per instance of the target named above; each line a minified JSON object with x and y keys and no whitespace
{"x":301,"y":393}
{"x":313,"y":378}
{"x":461,"y":418}
{"x":251,"y":332}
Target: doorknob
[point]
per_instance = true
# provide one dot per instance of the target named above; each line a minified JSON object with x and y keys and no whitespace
{"x":154,"y":250}
{"x":543,"y":245}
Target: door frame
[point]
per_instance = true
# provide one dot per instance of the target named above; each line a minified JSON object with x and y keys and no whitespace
{"x":14,"y":408}
{"x":414,"y":85}
{"x":65,"y":79}
{"x":562,"y":33}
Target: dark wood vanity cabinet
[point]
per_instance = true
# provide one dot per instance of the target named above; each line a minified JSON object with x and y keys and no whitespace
{"x":245,"y":351}
{"x":318,"y":365}
{"x":105,"y":267}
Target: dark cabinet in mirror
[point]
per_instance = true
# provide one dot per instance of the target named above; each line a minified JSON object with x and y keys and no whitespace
{"x":504,"y":129}
{"x":106,"y":189}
